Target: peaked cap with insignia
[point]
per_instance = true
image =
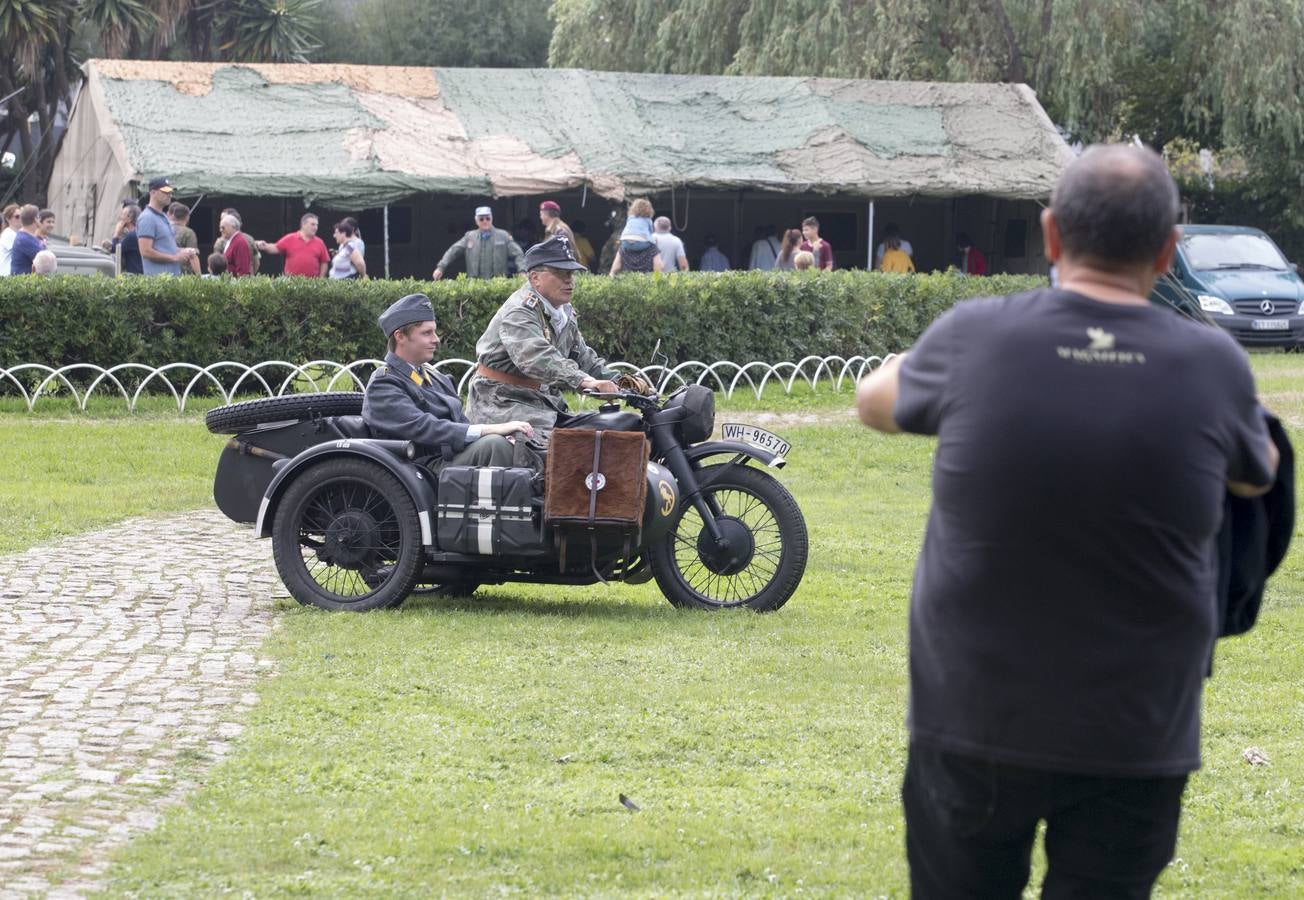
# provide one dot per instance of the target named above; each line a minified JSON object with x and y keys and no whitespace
{"x":556,"y":252}
{"x":410,"y":309}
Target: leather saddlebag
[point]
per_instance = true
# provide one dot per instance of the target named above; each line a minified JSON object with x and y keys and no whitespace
{"x":486,"y":510}
{"x":596,"y":478}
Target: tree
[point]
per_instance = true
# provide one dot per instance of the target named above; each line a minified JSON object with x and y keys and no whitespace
{"x":45,"y":39}
{"x":34,"y":77}
{"x":504,"y":33}
{"x":1226,"y":75}
{"x":267,"y":30}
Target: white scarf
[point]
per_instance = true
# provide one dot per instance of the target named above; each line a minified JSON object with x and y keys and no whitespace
{"x":559,"y":315}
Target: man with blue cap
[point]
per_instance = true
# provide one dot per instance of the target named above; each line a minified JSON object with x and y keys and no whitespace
{"x":533,"y":348}
{"x":406,"y":401}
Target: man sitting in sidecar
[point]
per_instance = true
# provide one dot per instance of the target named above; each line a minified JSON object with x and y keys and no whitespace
{"x":406,"y":401}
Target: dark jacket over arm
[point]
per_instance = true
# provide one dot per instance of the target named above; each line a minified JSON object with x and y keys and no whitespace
{"x":395,"y":406}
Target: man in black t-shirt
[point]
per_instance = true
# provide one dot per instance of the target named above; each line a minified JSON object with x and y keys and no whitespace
{"x":1063,"y":609}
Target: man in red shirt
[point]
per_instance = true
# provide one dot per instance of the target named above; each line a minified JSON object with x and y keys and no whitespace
{"x":972,"y":261}
{"x":305,"y":253}
{"x":239,"y":261}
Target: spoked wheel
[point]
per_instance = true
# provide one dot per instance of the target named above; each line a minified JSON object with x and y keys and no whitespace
{"x":766,"y":556}
{"x":346,"y":536}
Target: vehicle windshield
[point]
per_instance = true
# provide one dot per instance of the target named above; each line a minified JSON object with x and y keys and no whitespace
{"x":1232,"y":251}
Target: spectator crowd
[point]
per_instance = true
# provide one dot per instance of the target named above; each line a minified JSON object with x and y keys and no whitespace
{"x":155,"y":238}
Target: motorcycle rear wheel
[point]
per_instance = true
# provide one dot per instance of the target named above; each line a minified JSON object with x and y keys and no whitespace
{"x":768,"y":539}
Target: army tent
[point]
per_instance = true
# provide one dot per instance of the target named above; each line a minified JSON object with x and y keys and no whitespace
{"x":355,"y":137}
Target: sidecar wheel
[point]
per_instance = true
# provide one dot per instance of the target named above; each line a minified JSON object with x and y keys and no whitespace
{"x":768,"y":545}
{"x":346,"y":537}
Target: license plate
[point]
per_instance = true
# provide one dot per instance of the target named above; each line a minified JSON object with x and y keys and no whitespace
{"x":757,"y":437}
{"x":1270,"y":324}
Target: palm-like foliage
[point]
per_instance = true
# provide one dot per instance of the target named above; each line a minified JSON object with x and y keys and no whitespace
{"x":121,"y":23}
{"x":41,"y":38}
{"x":28,"y":26}
{"x":267,"y":30}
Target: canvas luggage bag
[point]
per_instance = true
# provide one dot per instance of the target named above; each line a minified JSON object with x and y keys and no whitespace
{"x":486,"y":511}
{"x":596,"y":482}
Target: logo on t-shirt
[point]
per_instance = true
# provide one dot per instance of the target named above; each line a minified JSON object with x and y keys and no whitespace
{"x":1100,"y":351}
{"x":1100,"y":339}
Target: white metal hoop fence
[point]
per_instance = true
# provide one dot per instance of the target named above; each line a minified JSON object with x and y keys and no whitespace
{"x":272,"y":378}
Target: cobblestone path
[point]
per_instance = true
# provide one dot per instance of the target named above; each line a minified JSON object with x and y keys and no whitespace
{"x":128,"y":658}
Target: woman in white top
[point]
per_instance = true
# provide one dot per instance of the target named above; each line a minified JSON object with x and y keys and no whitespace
{"x":348,"y":261}
{"x":12,"y":217}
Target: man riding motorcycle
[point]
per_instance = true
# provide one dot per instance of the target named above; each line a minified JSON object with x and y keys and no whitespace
{"x":533,"y":348}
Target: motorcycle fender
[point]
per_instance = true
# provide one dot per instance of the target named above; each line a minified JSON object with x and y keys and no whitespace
{"x":699,"y":452}
{"x":662,"y":503}
{"x":416,"y":479}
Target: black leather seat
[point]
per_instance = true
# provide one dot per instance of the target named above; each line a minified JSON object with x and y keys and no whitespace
{"x":350,"y":426}
{"x":607,"y":421}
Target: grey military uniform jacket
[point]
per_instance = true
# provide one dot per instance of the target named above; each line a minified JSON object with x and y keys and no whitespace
{"x":485,"y":258}
{"x":395,"y":406}
{"x":520,"y":340}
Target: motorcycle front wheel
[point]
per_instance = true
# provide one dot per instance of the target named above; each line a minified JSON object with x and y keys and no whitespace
{"x":767,"y":545}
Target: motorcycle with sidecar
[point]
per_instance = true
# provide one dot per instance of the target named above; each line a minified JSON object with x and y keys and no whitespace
{"x":358,"y":522}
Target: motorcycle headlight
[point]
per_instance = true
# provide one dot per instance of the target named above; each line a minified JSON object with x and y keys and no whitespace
{"x":699,"y":404}
{"x":1212,"y":304}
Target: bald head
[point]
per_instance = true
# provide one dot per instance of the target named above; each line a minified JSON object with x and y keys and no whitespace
{"x":1115,"y":205}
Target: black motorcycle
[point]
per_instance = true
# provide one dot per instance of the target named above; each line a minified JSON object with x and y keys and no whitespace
{"x":359,"y":522}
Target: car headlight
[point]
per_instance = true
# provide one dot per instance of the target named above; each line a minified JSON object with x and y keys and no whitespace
{"x":1212,"y":304}
{"x":1300,"y":311}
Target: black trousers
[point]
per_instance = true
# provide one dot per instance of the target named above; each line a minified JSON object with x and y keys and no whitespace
{"x":970,"y":825}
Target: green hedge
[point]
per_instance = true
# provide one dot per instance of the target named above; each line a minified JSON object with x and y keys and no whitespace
{"x":741,"y":316}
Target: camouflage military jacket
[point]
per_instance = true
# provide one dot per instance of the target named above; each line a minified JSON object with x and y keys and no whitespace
{"x":520,"y":341}
{"x":486,"y":258}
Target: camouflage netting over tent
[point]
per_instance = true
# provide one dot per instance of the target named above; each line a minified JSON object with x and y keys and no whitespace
{"x":359,"y":136}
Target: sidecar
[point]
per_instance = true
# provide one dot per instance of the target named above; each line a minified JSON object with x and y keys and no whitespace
{"x":358,"y":522}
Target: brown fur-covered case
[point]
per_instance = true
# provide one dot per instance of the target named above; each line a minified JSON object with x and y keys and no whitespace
{"x":622,"y":465}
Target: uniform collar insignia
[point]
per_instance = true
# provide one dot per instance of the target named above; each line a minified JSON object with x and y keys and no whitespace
{"x":401,"y":366}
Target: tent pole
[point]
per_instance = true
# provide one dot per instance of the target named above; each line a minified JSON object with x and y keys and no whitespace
{"x":386,"y":217}
{"x":736,"y":259}
{"x":869,"y":250}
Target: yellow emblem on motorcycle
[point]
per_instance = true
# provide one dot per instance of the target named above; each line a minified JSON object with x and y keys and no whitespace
{"x":667,"y":496}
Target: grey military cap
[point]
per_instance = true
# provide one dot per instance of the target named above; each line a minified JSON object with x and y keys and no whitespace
{"x":412,"y":308}
{"x":556,"y":252}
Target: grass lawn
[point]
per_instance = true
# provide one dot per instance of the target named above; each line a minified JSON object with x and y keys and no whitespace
{"x":480,"y":746}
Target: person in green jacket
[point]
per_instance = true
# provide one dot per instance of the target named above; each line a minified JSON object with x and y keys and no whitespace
{"x":487,"y":250}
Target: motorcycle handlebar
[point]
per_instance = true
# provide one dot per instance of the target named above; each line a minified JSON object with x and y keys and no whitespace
{"x":633,"y":398}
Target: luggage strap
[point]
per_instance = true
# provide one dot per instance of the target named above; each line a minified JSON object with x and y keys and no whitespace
{"x":594,"y":483}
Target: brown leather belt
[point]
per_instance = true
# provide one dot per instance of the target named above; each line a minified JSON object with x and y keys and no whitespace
{"x":509,"y":378}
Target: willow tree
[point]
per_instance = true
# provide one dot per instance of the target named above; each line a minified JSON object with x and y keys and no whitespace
{"x":501,"y":34}
{"x":1226,"y":75}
